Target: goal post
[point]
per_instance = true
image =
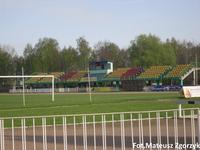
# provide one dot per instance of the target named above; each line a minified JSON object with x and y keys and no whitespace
{"x":32,"y":76}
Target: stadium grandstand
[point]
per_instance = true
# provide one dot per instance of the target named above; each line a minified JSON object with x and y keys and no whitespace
{"x":179,"y":70}
{"x":67,"y":75}
{"x":77,"y":76}
{"x":116,"y":74}
{"x":129,"y":80}
{"x":35,"y":80}
{"x":132,"y":73}
{"x":155,"y":73}
{"x":57,"y":76}
{"x":101,"y":74}
{"x":181,"y":73}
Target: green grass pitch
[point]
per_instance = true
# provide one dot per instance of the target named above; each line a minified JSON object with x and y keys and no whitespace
{"x":41,"y":104}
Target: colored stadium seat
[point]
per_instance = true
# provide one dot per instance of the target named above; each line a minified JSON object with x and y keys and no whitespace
{"x":67,"y":75}
{"x":132,"y":73}
{"x":116,"y":74}
{"x":57,"y":76}
{"x":179,"y":70}
{"x":35,"y":80}
{"x":77,"y":76}
{"x":154,"y":72}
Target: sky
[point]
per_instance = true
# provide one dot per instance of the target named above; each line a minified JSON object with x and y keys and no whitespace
{"x":118,"y":21}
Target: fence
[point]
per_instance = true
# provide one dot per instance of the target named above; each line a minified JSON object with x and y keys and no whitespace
{"x":107,"y":131}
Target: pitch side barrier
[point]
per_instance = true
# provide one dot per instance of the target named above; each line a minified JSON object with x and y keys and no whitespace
{"x":161,"y":129}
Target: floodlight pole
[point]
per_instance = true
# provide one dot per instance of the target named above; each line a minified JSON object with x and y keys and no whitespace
{"x":89,"y":87}
{"x":24,"y":101}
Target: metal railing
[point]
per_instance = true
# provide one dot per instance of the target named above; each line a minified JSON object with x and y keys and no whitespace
{"x":121,"y":130}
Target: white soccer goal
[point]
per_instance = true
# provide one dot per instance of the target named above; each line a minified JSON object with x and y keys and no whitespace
{"x":32,"y":76}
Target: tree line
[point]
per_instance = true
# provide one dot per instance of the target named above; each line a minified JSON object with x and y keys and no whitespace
{"x":145,"y":50}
